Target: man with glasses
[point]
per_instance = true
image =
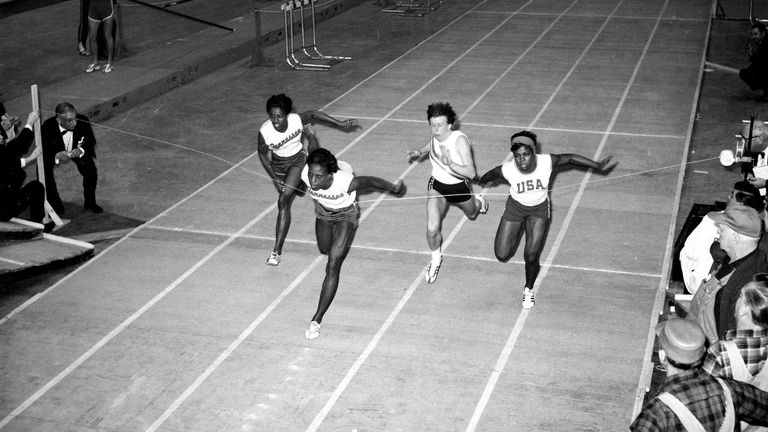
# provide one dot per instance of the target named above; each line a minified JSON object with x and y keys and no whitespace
{"x":701,"y":248}
{"x":68,"y":136}
{"x":713,"y":306}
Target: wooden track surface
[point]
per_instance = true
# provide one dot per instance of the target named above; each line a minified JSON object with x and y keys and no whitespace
{"x":180,"y":325}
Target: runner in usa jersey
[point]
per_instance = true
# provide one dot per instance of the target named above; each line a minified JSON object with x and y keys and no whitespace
{"x":528,"y":206}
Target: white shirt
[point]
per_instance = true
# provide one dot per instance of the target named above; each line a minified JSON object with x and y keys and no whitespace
{"x":284,"y":144}
{"x":695,"y":259}
{"x":529,"y":189}
{"x":440,"y":171}
{"x":336,"y":196}
{"x":66,"y":135}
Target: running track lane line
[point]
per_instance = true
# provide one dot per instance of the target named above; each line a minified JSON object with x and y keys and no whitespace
{"x":320,"y":417}
{"x":646,"y":373}
{"x":128,"y":321}
{"x":114,"y":245}
{"x":89,"y":262}
{"x":521,"y":319}
{"x":40,"y":392}
{"x":222,"y":357}
{"x":252,"y":327}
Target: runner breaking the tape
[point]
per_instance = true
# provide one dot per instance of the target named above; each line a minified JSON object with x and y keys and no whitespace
{"x":334,"y":188}
{"x":528,"y":207}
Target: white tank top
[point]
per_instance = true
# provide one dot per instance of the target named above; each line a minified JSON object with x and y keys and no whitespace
{"x":529,"y":189}
{"x":440,"y":171}
{"x":336,"y":196}
{"x":284,"y":144}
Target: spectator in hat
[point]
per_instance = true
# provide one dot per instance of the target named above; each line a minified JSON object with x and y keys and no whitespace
{"x":691,"y":399}
{"x":713,"y":305}
{"x":701,"y":248}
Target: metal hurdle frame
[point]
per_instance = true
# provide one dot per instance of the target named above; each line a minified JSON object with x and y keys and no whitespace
{"x":413,"y":9}
{"x":291,"y":50}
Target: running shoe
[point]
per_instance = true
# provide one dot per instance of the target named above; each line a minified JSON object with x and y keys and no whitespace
{"x":528,"y":300}
{"x":483,"y":204}
{"x":92,"y":67}
{"x":273,"y":260}
{"x":313,"y":331}
{"x":432,"y":269}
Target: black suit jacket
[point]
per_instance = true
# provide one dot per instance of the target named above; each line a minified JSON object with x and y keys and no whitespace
{"x":12,"y":175}
{"x":54,"y":143}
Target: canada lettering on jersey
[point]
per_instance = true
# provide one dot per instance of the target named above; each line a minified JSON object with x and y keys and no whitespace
{"x":529,"y":185}
{"x":285,"y":140}
{"x":315,"y":193}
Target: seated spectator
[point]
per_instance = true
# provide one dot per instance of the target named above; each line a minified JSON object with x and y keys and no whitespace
{"x":742,"y":354}
{"x":696,"y":256}
{"x":756,"y":74}
{"x":15,"y":196}
{"x":713,"y":305}
{"x":8,"y":124}
{"x":691,"y":399}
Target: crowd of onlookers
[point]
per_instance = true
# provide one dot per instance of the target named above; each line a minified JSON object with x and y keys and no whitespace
{"x":714,"y":354}
{"x":65,"y":137}
{"x":714,"y":348}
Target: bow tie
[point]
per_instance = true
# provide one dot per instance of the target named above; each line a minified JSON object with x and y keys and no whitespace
{"x":65,"y":131}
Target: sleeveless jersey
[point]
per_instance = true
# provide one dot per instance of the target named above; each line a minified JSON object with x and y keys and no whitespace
{"x":529,"y":189}
{"x":440,"y":171}
{"x":284,"y":144}
{"x":336,"y":196}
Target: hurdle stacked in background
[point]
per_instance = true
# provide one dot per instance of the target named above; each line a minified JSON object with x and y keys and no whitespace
{"x":305,"y":57}
{"x":413,"y":8}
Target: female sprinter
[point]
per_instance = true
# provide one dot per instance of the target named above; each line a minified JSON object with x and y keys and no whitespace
{"x":528,"y":206}
{"x":282,"y":153}
{"x":452,"y":167}
{"x":333,"y":186}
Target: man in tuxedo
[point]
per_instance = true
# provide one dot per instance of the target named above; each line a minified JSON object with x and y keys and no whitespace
{"x":68,"y":136}
{"x":15,"y":196}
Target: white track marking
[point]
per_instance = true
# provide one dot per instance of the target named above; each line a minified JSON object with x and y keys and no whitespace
{"x":646,"y":374}
{"x":401,"y":251}
{"x":521,"y":319}
{"x":114,"y":245}
{"x":512,"y":126}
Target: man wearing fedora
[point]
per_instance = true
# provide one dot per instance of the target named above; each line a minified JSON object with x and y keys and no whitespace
{"x":739,"y":229}
{"x":690,"y":399}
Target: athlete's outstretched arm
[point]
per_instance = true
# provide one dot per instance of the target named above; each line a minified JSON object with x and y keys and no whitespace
{"x":418,"y":153}
{"x":311,"y":137}
{"x":371,"y":182}
{"x":347,"y":125}
{"x":575,"y":159}
{"x":492,"y":175}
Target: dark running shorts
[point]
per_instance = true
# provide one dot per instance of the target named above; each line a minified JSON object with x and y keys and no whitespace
{"x":349,"y":214}
{"x":281,"y":165}
{"x":516,"y":212}
{"x":100,"y":10}
{"x":453,"y":193}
